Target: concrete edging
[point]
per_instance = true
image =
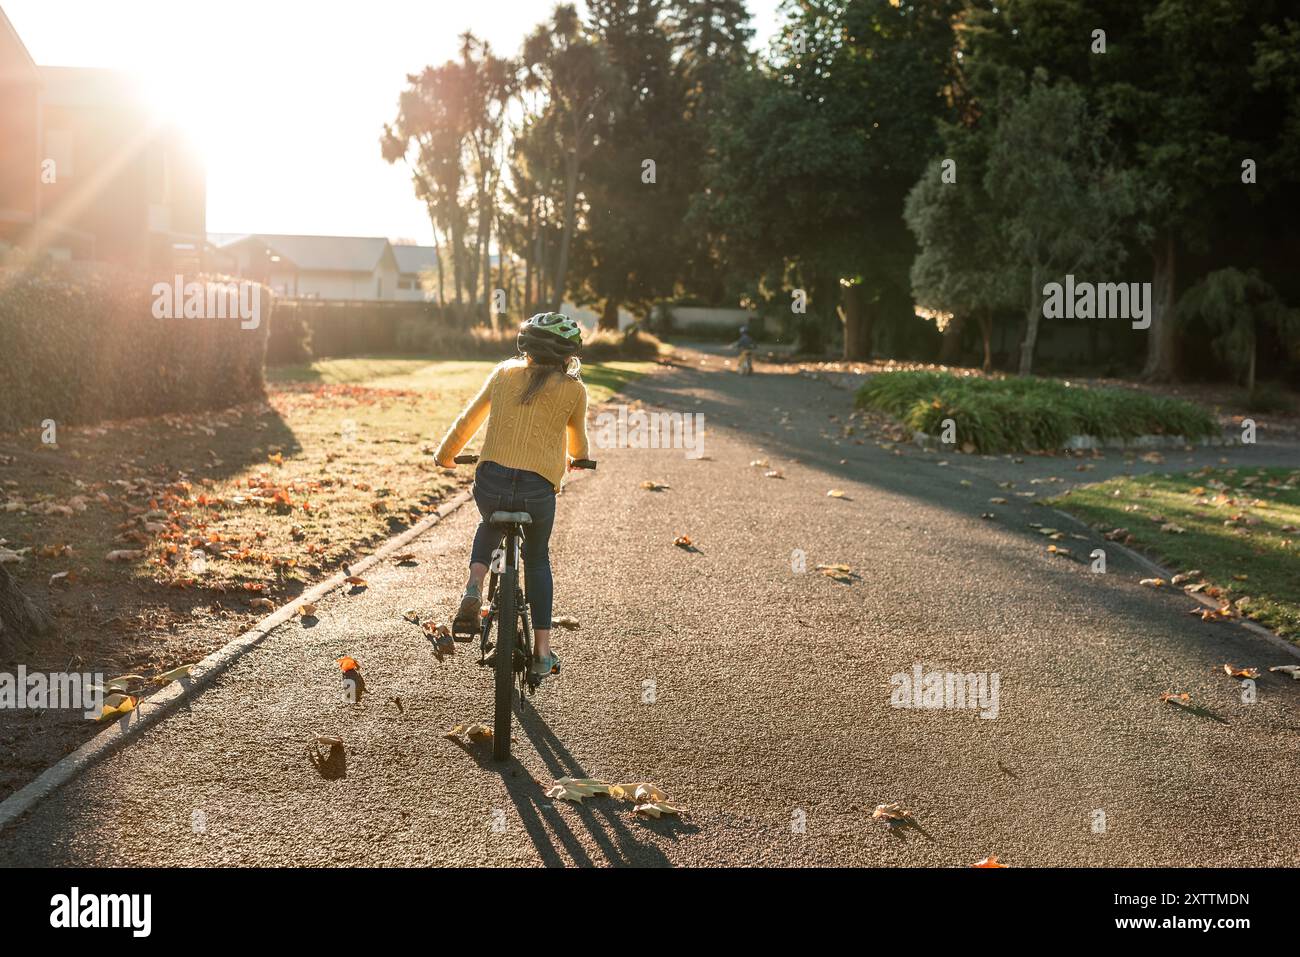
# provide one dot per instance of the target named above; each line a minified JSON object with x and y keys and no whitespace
{"x":1090,"y":443}
{"x":153,"y":709}
{"x":1167,"y":574}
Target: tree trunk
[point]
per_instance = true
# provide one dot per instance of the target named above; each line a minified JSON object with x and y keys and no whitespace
{"x":528,"y":262}
{"x":20,"y":618}
{"x":570,"y":215}
{"x":1032,"y":317}
{"x":1250,"y":371}
{"x":1161,"y":364}
{"x":609,"y":315}
{"x":457,"y":259}
{"x":986,"y":333}
{"x":950,"y":348}
{"x":484,"y":257}
{"x":857,"y":323}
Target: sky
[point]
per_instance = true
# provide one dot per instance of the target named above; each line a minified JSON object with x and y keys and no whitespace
{"x":286,"y":99}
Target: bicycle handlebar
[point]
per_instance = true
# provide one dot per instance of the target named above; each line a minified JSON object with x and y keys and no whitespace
{"x":470,"y":459}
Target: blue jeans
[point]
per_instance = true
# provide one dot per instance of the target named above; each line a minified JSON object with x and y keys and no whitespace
{"x":501,"y":489}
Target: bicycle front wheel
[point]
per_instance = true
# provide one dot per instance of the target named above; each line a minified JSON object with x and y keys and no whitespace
{"x":507,"y":637}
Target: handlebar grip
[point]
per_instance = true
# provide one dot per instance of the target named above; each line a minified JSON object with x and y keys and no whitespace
{"x":465,"y":459}
{"x":584,"y":463}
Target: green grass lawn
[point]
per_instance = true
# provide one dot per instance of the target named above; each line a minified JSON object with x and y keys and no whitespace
{"x":1239,"y":527}
{"x":1015,"y":414}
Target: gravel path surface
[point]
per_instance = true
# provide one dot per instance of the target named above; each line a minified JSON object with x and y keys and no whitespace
{"x":755,"y":695}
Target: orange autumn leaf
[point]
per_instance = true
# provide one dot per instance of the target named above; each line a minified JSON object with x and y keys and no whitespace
{"x":348,"y":663}
{"x":1234,"y":672}
{"x":990,"y":861}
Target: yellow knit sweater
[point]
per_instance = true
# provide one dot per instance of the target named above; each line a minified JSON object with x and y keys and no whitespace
{"x":531,"y":437}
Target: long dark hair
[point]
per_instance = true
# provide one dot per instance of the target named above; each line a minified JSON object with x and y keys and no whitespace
{"x":542,"y":369}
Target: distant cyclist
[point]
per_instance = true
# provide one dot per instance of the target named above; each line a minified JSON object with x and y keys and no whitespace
{"x":536,"y":411}
{"x":746,"y":346}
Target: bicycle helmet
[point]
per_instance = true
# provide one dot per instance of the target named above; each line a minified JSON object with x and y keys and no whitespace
{"x":549,"y":335}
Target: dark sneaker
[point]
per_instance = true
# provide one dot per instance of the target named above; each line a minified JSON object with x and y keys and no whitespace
{"x":467,"y":619}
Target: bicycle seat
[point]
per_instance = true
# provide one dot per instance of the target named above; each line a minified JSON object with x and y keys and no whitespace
{"x":510,"y":518}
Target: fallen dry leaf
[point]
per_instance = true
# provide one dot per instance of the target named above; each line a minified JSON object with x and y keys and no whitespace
{"x":650,"y":486}
{"x":117,"y":705}
{"x":474,"y":732}
{"x":1152,"y":582}
{"x":990,"y":861}
{"x":840,"y":573}
{"x":1292,"y":670}
{"x":565,"y":621}
{"x":307,"y":610}
{"x":577,"y":789}
{"x":643,"y":791}
{"x":683,"y":541}
{"x":174,"y":675}
{"x":440,"y":638}
{"x":1234,"y":672}
{"x":835,"y":493}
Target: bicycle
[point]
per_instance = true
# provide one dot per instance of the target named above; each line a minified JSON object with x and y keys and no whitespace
{"x":510,"y":658}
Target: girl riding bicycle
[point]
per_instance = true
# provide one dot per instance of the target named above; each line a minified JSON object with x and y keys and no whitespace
{"x":536,"y":411}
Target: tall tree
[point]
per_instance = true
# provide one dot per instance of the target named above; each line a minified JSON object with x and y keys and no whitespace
{"x":1173,"y":77}
{"x":562,"y":60}
{"x":1063,"y":205}
{"x":823,"y":147}
{"x":636,"y":185}
{"x":960,"y":267}
{"x":429,"y":135}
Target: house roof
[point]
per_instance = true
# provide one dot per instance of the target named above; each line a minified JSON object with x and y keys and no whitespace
{"x":324,"y":253}
{"x":415,"y":258}
{"x":16,"y":64}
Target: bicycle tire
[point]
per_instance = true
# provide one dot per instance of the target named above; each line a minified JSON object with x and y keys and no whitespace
{"x":507,"y":635}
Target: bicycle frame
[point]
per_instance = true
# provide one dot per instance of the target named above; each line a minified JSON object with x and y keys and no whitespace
{"x":509,"y":557}
{"x":512,"y":662}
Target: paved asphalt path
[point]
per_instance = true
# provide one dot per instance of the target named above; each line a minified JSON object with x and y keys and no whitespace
{"x":770,"y":716}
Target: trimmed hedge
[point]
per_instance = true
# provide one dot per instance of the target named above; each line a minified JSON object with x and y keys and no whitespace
{"x":80,"y":345}
{"x":1028,"y":414}
{"x":306,"y":329}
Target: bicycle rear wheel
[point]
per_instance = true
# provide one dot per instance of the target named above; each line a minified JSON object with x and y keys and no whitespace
{"x":507,"y":637}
